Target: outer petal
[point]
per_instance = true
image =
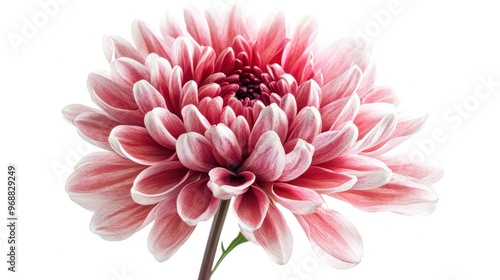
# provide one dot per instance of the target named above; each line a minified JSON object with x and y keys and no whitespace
{"x":267,"y":159}
{"x":307,"y":125}
{"x":405,"y":128}
{"x":428,"y":172}
{"x":195,"y":152}
{"x":271,"y":38}
{"x":115,"y":47}
{"x":331,"y":144}
{"x":126,"y":71}
{"x":334,"y":238}
{"x":95,"y":127}
{"x":301,"y":201}
{"x":197,"y":26}
{"x":297,"y":161}
{"x":339,"y":112}
{"x":273,"y":236}
{"x":403,"y":195}
{"x":160,"y":182}
{"x":375,"y":122}
{"x":135,"y":143}
{"x":101,"y":177}
{"x":72,"y":111}
{"x":119,"y":219}
{"x":324,"y":180}
{"x":169,"y":231}
{"x":147,"y":97}
{"x":196,"y":203}
{"x":147,"y":42}
{"x":164,"y":127}
{"x":370,"y":173}
{"x":251,"y":208}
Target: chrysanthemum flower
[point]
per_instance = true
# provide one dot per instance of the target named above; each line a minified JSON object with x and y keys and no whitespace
{"x":217,"y":110}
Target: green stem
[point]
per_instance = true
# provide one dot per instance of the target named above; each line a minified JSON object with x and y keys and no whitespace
{"x":237,"y":241}
{"x":213,"y":240}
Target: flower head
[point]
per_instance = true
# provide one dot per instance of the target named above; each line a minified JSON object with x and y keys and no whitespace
{"x":218,"y":109}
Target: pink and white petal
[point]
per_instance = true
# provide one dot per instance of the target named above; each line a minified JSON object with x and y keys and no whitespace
{"x":126,"y":71}
{"x":147,"y":97}
{"x":211,"y":108}
{"x":375,"y":122}
{"x":115,"y":47}
{"x":70,"y":112}
{"x":331,"y":144}
{"x":194,"y":120}
{"x":147,"y":42}
{"x":299,"y":46}
{"x":102,"y":87}
{"x":227,"y":149}
{"x":289,"y":106}
{"x":381,"y":94}
{"x":324,"y":181}
{"x":160,"y":70}
{"x":197,"y":26}
{"x":405,"y":128}
{"x":196,"y":203}
{"x":339,"y":112}
{"x":306,"y":126}
{"x":308,"y":94}
{"x":241,"y":129}
{"x":172,"y":26}
{"x":164,"y":127}
{"x":271,"y":118}
{"x":100,"y":177}
{"x":135,"y":143}
{"x":370,"y":173}
{"x":95,"y":127}
{"x":205,"y":66}
{"x":224,"y":184}
{"x":342,"y":86}
{"x":168,"y":232}
{"x":274,"y":236}
{"x":175,"y":83}
{"x":427,"y":172}
{"x":267,"y":160}
{"x":297,"y":161}
{"x":195,"y":152}
{"x":251,"y":207}
{"x":120,"y":219}
{"x":114,"y":99}
{"x":189,"y":94}
{"x":340,"y":56}
{"x":182,"y":56}
{"x":403,"y":195}
{"x":241,"y":23}
{"x":272,"y":35}
{"x":334,"y":239}
{"x":298,"y":200}
{"x":160,"y":182}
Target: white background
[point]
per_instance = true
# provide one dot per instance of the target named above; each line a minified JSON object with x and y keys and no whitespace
{"x":433,"y":54}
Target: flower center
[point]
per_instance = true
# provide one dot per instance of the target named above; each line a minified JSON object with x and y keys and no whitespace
{"x":249,"y":84}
